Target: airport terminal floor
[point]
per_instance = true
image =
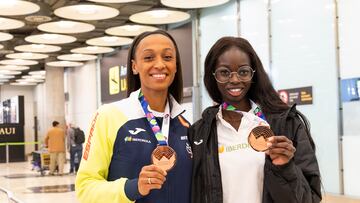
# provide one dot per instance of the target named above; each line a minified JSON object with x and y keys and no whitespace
{"x":28,"y":186}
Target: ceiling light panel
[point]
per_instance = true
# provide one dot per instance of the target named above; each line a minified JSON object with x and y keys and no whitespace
{"x":50,"y":39}
{"x":13,"y":67}
{"x":9,"y":72}
{"x":29,"y":80}
{"x":77,"y":57}
{"x":5,"y":36}
{"x":8,"y":24}
{"x":66,"y":27}
{"x":38,"y":48}
{"x":64,"y":64}
{"x":27,"y":55}
{"x":109,"y":41}
{"x":113,"y":1}
{"x":86,"y":12}
{"x":37,"y":77}
{"x":92,"y":50}
{"x":129,"y":30}
{"x":23,"y":83}
{"x":37,"y":72}
{"x":159,"y":16}
{"x":192,"y":4}
{"x":17,"y":7}
{"x":6,"y":76}
{"x":18,"y":62}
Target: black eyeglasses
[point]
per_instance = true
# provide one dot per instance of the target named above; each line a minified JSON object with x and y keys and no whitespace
{"x":223,"y":74}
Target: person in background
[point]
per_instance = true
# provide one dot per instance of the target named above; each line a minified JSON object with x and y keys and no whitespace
{"x":137,"y":148}
{"x":226,"y":168}
{"x":55,"y":141}
{"x":74,"y":147}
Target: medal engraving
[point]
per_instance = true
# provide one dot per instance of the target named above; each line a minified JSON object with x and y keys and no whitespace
{"x":258,"y":138}
{"x":164,"y":157}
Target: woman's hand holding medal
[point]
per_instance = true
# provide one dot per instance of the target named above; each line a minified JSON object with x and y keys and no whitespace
{"x":281,"y":150}
{"x":150,"y":177}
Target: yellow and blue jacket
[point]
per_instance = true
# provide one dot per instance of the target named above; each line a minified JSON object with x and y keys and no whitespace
{"x":119,"y":143}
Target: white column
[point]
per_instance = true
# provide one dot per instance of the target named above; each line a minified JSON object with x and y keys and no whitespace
{"x":54,"y":97}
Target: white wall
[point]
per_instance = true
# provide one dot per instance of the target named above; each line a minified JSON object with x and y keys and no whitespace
{"x":80,"y":83}
{"x":256,"y":30}
{"x":8,"y":91}
{"x":304,"y":54}
{"x":351,"y":165}
{"x":349,"y":42}
{"x":214,"y":23}
{"x":39,"y":103}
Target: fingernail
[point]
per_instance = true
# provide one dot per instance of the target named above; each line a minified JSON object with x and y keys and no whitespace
{"x":268,"y":144}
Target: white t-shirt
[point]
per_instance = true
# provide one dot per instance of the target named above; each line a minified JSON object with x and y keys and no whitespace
{"x":242,"y":168}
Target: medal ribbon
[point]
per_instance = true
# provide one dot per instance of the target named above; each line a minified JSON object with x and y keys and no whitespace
{"x":257,"y":111}
{"x":160,"y":137}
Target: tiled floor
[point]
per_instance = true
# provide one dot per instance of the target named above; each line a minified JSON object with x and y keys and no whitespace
{"x":22,"y":182}
{"x":332,"y":198}
{"x":22,"y":188}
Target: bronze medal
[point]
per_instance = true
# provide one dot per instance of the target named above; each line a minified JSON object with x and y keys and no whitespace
{"x":164,"y":157}
{"x":258,"y":138}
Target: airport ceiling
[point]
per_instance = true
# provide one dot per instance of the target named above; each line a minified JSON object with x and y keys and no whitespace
{"x":29,"y":26}
{"x":48,"y":7}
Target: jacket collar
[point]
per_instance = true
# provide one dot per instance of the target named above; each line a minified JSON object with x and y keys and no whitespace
{"x":175,"y":108}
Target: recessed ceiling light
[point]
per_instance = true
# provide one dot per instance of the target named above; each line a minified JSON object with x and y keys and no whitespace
{"x":6,"y":76}
{"x":113,"y":1}
{"x":37,"y":72}
{"x":38,"y":48}
{"x":18,"y":62}
{"x":77,"y":57}
{"x":23,"y":83}
{"x":66,"y":27}
{"x":5,"y":36}
{"x":159,"y":16}
{"x":17,"y":7}
{"x":8,"y":24}
{"x":50,"y":39}
{"x":109,"y":41}
{"x":1,"y":46}
{"x":92,"y":50}
{"x":192,"y":4}
{"x":27,"y":55}
{"x":38,"y":77}
{"x":64,"y":64}
{"x":86,"y":12}
{"x":9,"y":72}
{"x":29,"y":80}
{"x":14,"y":67}
{"x":129,"y":30}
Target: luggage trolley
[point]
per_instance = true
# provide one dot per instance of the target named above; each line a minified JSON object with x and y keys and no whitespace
{"x":41,"y":160}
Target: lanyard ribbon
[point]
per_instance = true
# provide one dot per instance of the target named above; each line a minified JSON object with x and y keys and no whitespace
{"x":161,"y":136}
{"x":257,"y":111}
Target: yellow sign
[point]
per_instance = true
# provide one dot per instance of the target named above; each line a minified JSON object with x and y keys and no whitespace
{"x":114,"y":80}
{"x":7,"y":131}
